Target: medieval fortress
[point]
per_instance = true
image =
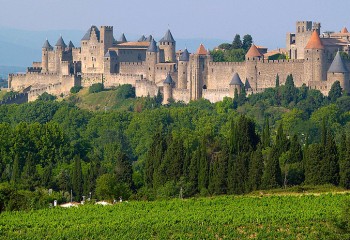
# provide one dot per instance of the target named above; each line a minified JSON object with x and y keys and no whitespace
{"x":313,"y":59}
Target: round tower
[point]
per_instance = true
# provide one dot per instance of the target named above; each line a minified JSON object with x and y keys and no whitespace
{"x":314,"y":57}
{"x":182,"y":69}
{"x":168,"y":85}
{"x":151,"y":60}
{"x":338,"y":72}
{"x":251,"y":59}
{"x":45,"y":56}
{"x":236,"y":83}
{"x":60,"y":47}
{"x":168,"y":45}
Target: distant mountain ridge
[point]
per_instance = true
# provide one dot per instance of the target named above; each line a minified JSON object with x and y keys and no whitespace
{"x":22,"y":47}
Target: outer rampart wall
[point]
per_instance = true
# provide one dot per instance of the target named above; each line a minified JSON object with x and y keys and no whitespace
{"x":221,"y":73}
{"x":181,"y":95}
{"x":216,"y":95}
{"x":18,"y":82}
{"x":145,"y":88}
{"x":113,"y":80}
{"x":267,"y":71}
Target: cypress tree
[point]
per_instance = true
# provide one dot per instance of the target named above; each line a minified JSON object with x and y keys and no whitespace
{"x":282,"y":143}
{"x":272,"y":173}
{"x":193,"y":173}
{"x":256,"y":170}
{"x":16,"y":172}
{"x":277,"y":81}
{"x":77,"y":178}
{"x":28,"y":176}
{"x":266,"y":135}
{"x":329,"y":164}
{"x":203,"y":174}
{"x":344,"y":163}
{"x":312,"y":161}
{"x":335,"y":92}
{"x":46,"y":179}
{"x":123,"y":169}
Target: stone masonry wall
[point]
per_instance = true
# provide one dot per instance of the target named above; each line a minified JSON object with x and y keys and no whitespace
{"x":216,"y":95}
{"x":145,"y":88}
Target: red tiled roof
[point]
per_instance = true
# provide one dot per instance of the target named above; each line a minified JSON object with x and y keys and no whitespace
{"x":253,"y":52}
{"x":314,"y":42}
{"x":201,"y":50}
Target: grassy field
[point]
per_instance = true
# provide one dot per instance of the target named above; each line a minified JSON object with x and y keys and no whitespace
{"x":225,"y":217}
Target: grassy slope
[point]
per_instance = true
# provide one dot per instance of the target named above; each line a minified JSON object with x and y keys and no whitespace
{"x":101,"y":101}
{"x":224,"y":217}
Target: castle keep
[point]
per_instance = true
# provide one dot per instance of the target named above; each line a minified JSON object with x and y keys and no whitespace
{"x":313,"y":59}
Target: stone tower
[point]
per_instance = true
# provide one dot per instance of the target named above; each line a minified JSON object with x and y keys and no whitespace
{"x":45,"y":56}
{"x":252,"y":57}
{"x":302,"y":36}
{"x":236,"y":83}
{"x":168,"y":45}
{"x":314,"y":65}
{"x":106,"y":38}
{"x":182,"y":69}
{"x":168,"y":85}
{"x":338,"y":72}
{"x":60,"y":48}
{"x":199,"y":72}
{"x":151,"y":60}
{"x":110,"y":62}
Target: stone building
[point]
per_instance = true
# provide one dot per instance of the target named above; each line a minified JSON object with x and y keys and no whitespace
{"x":313,"y":59}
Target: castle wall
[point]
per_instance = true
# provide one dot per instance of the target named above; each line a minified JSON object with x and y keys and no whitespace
{"x":87,"y":79}
{"x":182,"y":95}
{"x":131,"y":55}
{"x":146,"y":88}
{"x":161,"y":71}
{"x":76,"y":54}
{"x":17,"y":82}
{"x":216,"y":95}
{"x":133,"y":68}
{"x":220,"y":73}
{"x":113,"y":80}
{"x":267,"y":71}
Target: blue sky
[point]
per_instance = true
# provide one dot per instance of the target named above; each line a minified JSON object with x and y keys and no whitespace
{"x":267,"y":21}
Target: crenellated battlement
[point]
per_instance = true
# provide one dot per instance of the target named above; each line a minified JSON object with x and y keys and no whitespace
{"x":226,"y":64}
{"x":220,"y":90}
{"x":132,"y":63}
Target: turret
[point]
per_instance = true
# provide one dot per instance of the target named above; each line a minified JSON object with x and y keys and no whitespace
{"x":252,"y":57}
{"x":106,"y":38}
{"x":60,"y":47}
{"x":122,"y":38}
{"x":236,"y":83}
{"x":168,"y":45}
{"x":111,"y":62}
{"x":142,"y":38}
{"x":182,"y":69}
{"x":314,"y":66}
{"x":168,"y":85}
{"x":45,"y":56}
{"x":152,"y":60}
{"x":70,"y":45}
{"x":199,"y":72}
{"x":338,"y":72}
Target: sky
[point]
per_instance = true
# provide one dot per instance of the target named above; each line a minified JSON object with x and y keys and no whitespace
{"x":267,"y":21}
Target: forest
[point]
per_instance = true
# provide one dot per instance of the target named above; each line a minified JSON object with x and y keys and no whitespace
{"x":140,"y":149}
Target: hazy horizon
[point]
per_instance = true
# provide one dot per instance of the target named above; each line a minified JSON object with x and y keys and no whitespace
{"x":205,"y":21}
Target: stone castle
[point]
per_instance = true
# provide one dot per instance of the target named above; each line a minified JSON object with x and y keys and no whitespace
{"x":313,"y":59}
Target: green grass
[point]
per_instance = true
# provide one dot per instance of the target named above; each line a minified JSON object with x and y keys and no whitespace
{"x":225,"y":217}
{"x":102,"y":101}
{"x":2,"y":94}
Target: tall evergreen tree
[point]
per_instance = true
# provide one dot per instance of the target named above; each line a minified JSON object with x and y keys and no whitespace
{"x":203,"y":173}
{"x":266,"y":135}
{"x":256,"y":169}
{"x":344,"y":163}
{"x":282,"y":142}
{"x":335,"y":92}
{"x":277,"y":81}
{"x":247,"y":42}
{"x":77,"y":178}
{"x":16,"y":171}
{"x":329,"y":166}
{"x":313,"y":156}
{"x":272,"y":173}
{"x":237,"y":42}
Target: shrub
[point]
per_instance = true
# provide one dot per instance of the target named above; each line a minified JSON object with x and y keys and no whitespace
{"x":125,"y":91}
{"x":47,"y":97}
{"x":96,"y":87}
{"x":75,"y":89}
